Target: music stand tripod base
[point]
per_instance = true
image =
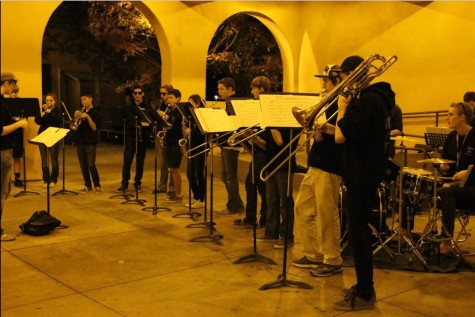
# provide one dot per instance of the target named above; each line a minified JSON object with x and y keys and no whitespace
{"x":124,"y":195}
{"x":64,"y":192}
{"x":25,"y":192}
{"x":209,"y":238}
{"x":155,"y":209}
{"x":281,"y":281}
{"x":191,"y":214}
{"x":254,"y":257}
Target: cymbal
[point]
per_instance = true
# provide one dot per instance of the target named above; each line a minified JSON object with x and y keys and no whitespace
{"x":435,"y":160}
{"x":404,"y":138}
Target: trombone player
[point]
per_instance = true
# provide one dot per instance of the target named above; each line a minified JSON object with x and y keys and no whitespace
{"x":363,"y":128}
{"x":316,"y":206}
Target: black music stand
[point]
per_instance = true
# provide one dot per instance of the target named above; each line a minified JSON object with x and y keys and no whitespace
{"x":211,"y":237}
{"x":254,"y":256}
{"x":435,"y":140}
{"x":282,"y":278}
{"x":48,"y":138}
{"x":23,"y":108}
{"x":64,"y":190}
{"x":138,"y":138}
{"x":118,"y":120}
{"x":185,"y":110}
{"x":158,"y":123}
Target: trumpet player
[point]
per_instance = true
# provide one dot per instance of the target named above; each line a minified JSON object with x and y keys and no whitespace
{"x":88,"y":123}
{"x":137,"y":134}
{"x":363,"y":128}
{"x":51,"y":117}
{"x":174,"y":132}
{"x":316,"y":206}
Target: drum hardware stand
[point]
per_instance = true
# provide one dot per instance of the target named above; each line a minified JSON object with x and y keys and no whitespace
{"x":376,"y":233}
{"x":254,"y":256}
{"x":138,"y":132}
{"x":64,"y":190}
{"x":399,"y":232}
{"x":124,"y":194}
{"x":211,"y":237}
{"x":282,"y":278}
{"x":190,"y":213}
{"x":155,"y":209}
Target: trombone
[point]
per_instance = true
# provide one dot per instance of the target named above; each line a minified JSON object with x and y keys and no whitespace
{"x":351,"y":85}
{"x":236,"y":137}
{"x":204,"y":144}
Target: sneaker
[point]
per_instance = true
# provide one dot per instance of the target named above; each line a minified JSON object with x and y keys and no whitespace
{"x":17,"y":183}
{"x":305,"y":263}
{"x":353,"y":302}
{"x":326,"y":270}
{"x":85,"y":190}
{"x":158,"y":191}
{"x":121,"y":189}
{"x":170,"y":193}
{"x":52,"y":185}
{"x":45,"y":185}
{"x":98,"y":190}
{"x":265,"y":238}
{"x":280,"y":244}
{"x":6,"y":237}
{"x":346,"y":291}
{"x":138,"y":188}
{"x":198,"y":204}
{"x":174,"y":198}
{"x":242,"y":222}
{"x":193,"y":201}
{"x":225,"y":212}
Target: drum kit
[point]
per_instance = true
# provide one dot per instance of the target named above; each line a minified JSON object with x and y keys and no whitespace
{"x":409,"y":188}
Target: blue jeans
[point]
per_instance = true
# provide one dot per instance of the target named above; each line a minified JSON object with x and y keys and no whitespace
{"x":87,"y":162}
{"x":229,"y":174}
{"x":6,"y":170}
{"x":280,"y":210}
{"x":53,"y":153}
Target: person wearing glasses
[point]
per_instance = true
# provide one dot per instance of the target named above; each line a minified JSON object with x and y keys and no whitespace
{"x":459,"y":147}
{"x":137,"y":134}
{"x":165,"y":184}
{"x":7,"y":126}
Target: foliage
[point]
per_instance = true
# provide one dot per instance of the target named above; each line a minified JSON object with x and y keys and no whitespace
{"x":243,"y":48}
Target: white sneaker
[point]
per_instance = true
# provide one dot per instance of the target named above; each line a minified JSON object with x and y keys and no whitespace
{"x":45,"y":185}
{"x":198,"y":204}
{"x":193,"y":201}
{"x":98,"y":190}
{"x":51,"y":185}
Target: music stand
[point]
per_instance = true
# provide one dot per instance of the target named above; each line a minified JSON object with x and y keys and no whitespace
{"x":48,"y":138}
{"x":185,"y":110}
{"x":64,"y":190}
{"x":254,"y":256}
{"x":118,"y":120}
{"x":282,"y":278}
{"x":158,"y":123}
{"x":23,"y":108}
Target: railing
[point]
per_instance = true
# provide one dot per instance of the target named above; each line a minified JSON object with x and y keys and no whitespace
{"x":426,"y":114}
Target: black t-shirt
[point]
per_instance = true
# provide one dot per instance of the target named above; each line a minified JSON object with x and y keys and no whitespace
{"x":173,"y":135}
{"x":52,"y":119}
{"x":7,"y":141}
{"x":326,"y":154}
{"x":134,"y":114}
{"x":465,"y":149}
{"x":84,"y":134}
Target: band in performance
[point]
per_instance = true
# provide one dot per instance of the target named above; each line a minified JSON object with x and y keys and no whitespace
{"x":361,"y":188}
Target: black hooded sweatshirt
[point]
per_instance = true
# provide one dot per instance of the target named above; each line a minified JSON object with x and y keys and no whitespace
{"x":366,"y":129}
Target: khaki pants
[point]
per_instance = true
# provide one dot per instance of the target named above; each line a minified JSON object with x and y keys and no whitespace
{"x":317,"y":217}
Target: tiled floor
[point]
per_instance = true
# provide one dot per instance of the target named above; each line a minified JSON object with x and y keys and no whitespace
{"x":117,"y":260}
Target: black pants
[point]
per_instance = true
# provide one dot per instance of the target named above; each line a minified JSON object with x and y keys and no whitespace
{"x":87,"y":162}
{"x":129,"y":152}
{"x":251,"y":195}
{"x":359,"y":201}
{"x":196,"y":176}
{"x":454,"y":197}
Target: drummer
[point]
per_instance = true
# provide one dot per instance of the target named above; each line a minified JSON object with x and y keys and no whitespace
{"x":459,"y":147}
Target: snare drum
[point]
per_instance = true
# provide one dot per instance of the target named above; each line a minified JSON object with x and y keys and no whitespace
{"x":427,"y":185}
{"x":415,"y":181}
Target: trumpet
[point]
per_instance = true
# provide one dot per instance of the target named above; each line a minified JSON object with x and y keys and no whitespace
{"x":77,"y":122}
{"x":351,"y":85}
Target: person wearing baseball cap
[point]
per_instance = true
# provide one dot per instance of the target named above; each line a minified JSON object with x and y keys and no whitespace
{"x":7,"y":126}
{"x":362,"y":127}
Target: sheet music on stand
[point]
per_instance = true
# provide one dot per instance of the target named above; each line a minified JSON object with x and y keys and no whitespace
{"x":247,"y":111}
{"x":50,"y":136}
{"x":436,"y":136}
{"x":276,"y":108}
{"x":211,"y":120}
